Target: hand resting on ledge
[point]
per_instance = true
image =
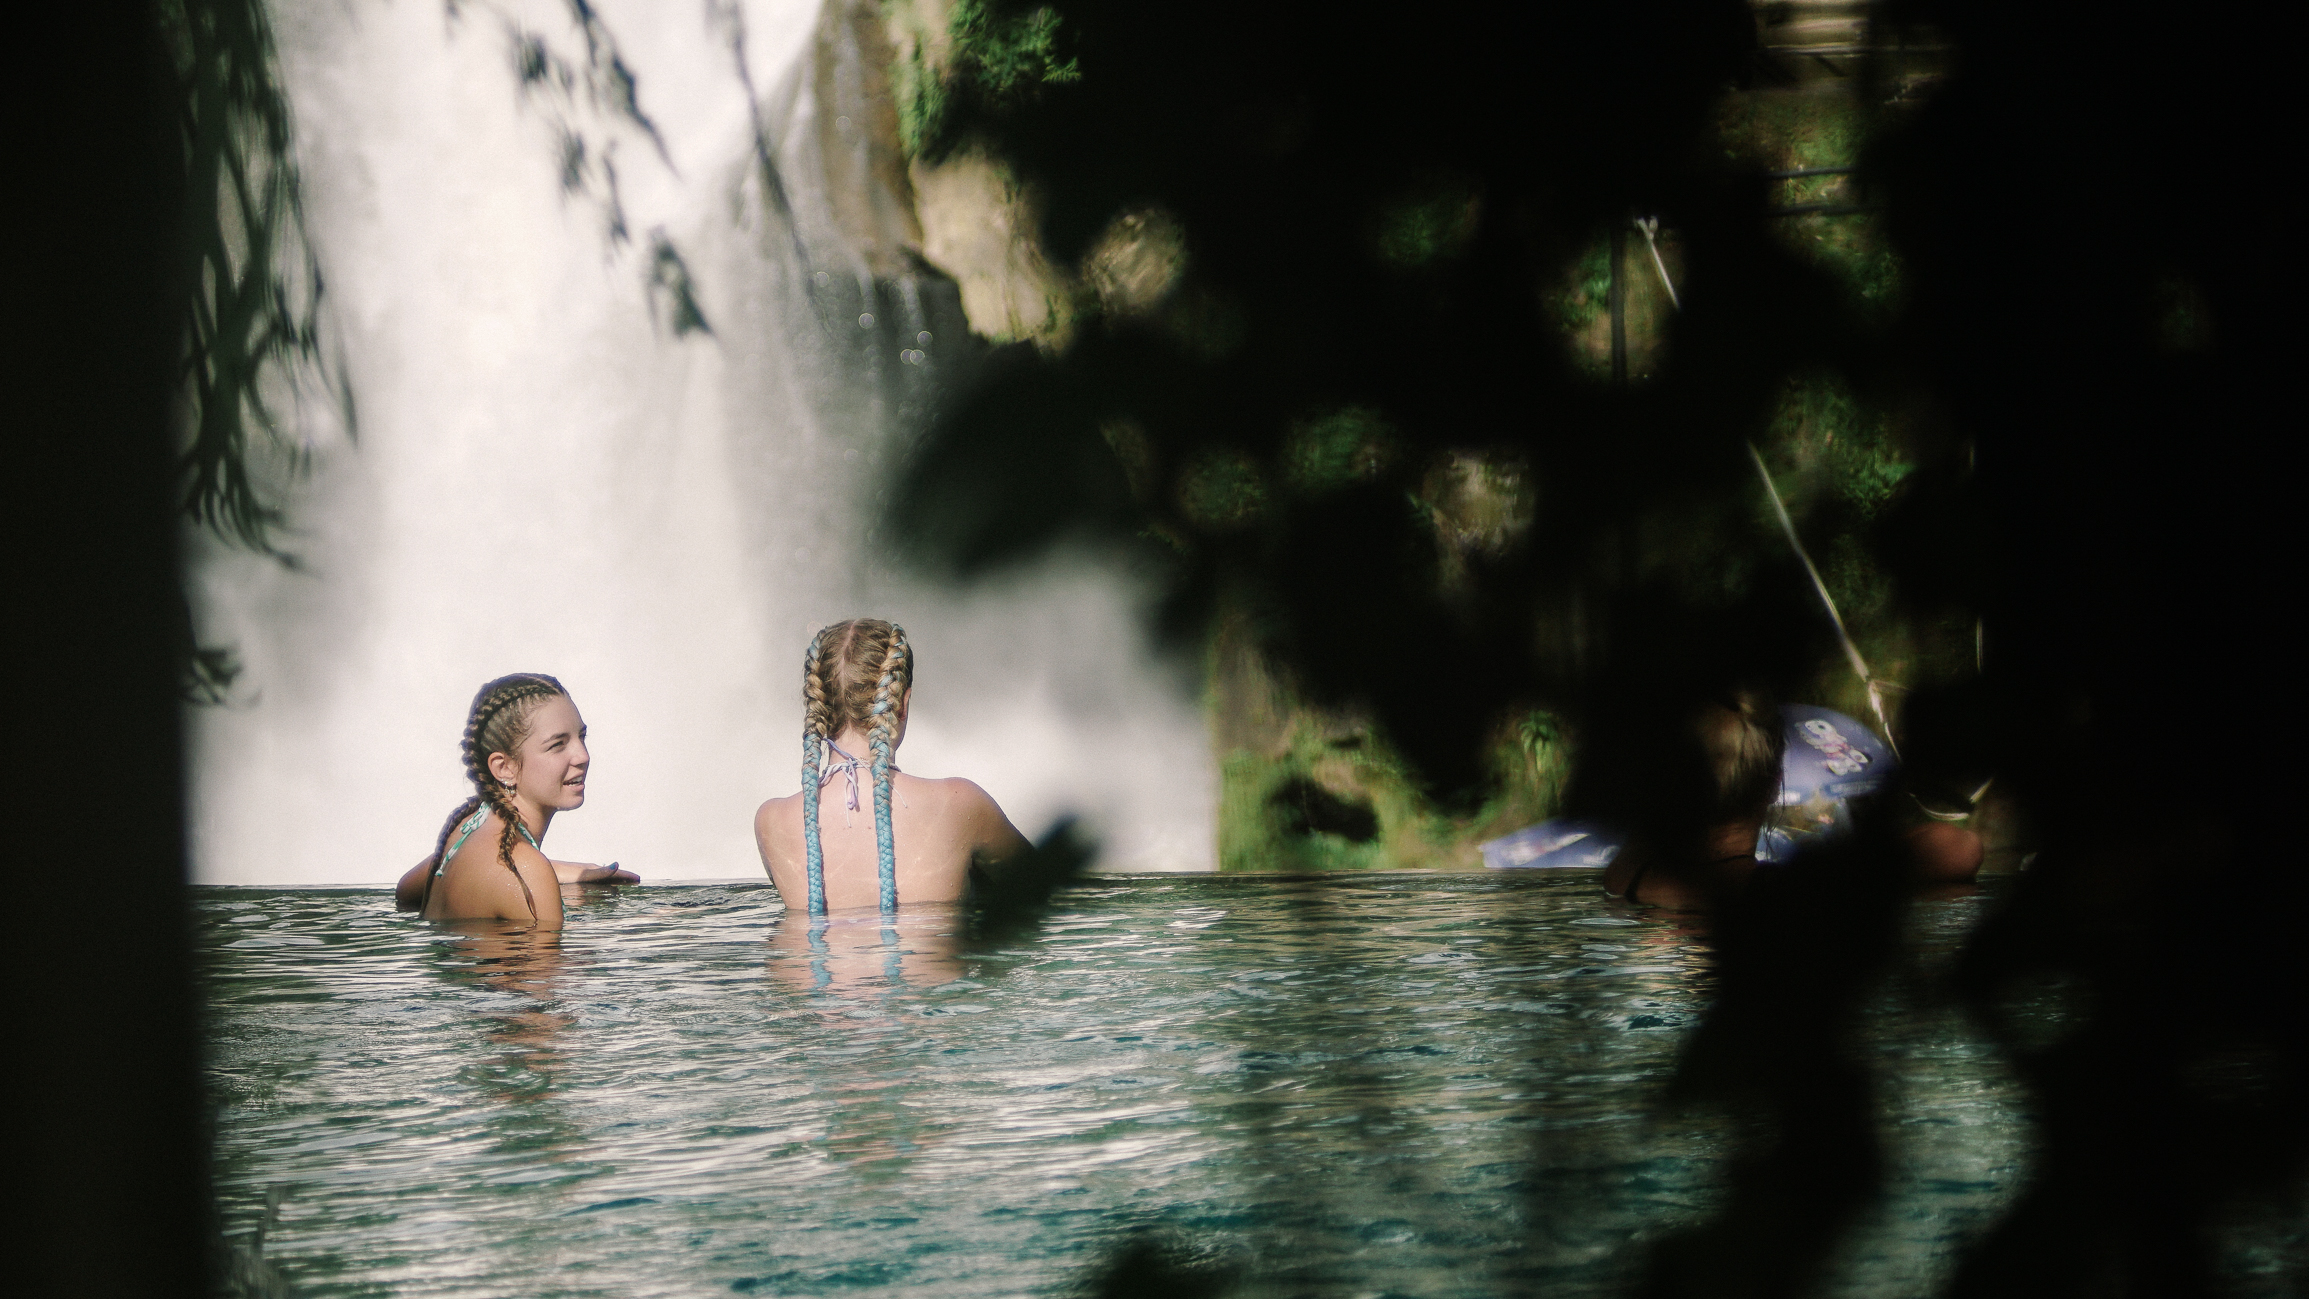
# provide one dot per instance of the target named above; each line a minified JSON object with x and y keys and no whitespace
{"x":409,"y":892}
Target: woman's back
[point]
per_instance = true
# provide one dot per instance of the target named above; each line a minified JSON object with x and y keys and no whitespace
{"x":937,"y":827}
{"x":472,"y":881}
{"x":861,"y":833}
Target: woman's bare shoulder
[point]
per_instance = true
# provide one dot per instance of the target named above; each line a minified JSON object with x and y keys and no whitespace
{"x":972,"y":812}
{"x":477,"y":885}
{"x":956,"y":792}
{"x":776,"y":821}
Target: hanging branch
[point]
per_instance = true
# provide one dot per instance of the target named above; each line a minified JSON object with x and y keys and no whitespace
{"x":251,"y":316}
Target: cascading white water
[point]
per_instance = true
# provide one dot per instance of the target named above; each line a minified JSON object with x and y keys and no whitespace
{"x":548,"y":477}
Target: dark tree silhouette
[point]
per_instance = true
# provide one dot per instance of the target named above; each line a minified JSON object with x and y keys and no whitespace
{"x":106,"y":1153}
{"x":2085,"y":352}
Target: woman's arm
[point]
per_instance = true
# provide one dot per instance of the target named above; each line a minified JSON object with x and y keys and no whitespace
{"x":993,"y":839}
{"x":409,"y":893}
{"x":579,"y":872}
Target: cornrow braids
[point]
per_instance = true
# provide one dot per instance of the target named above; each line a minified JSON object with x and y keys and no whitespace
{"x":853,"y":674}
{"x":896,"y":667}
{"x":497,"y":723}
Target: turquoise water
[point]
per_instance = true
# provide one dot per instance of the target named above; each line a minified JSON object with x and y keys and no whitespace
{"x":1364,"y":1085}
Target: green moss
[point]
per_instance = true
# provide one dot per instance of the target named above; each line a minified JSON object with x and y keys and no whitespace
{"x":1256,"y":829}
{"x":1851,"y":247}
{"x":923,"y":102}
{"x":1277,"y":753}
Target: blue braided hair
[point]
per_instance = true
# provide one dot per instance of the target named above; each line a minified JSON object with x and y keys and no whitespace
{"x":897,"y":674}
{"x":855,"y":673}
{"x":814,"y":722}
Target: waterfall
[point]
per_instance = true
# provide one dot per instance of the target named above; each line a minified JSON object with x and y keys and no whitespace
{"x":552,"y":473}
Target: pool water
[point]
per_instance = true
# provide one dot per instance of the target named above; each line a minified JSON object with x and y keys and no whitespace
{"x":1359,"y":1085}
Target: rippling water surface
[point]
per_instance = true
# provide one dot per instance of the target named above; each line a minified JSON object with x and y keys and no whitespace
{"x":1365,"y":1085}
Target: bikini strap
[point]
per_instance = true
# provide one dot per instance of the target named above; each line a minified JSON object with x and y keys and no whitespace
{"x":466,"y":830}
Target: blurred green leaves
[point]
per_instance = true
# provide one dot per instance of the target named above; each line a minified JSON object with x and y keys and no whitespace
{"x":996,"y":55}
{"x":1349,"y":445}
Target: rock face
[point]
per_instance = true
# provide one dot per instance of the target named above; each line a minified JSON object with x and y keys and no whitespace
{"x":978,"y":228}
{"x":852,"y":127}
{"x":889,"y":214}
{"x":872,"y":69}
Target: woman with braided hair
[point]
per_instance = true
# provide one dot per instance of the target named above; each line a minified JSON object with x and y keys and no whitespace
{"x":824,"y":848}
{"x":524,"y":750}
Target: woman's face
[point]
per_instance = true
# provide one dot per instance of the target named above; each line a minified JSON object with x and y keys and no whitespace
{"x":550,"y":769}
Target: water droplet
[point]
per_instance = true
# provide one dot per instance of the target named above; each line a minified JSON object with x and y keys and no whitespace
{"x":923,"y":338}
{"x":866,"y":321}
{"x":851,"y":454}
{"x":842,"y":122}
{"x":821,"y":277}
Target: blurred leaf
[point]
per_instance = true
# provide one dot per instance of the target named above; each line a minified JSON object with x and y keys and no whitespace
{"x":1010,"y":898}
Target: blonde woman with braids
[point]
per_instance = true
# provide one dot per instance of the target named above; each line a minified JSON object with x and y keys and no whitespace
{"x":524,"y":750}
{"x":863,"y":834}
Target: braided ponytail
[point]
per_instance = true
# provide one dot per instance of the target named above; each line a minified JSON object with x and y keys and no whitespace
{"x":895,"y":661}
{"x":497,"y":723}
{"x":854,"y":674}
{"x":814,"y":724}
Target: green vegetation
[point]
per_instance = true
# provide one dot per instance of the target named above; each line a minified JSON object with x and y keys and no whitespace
{"x":1585,"y":295}
{"x":1782,"y":132}
{"x":996,"y":56}
{"x":1375,"y":517}
{"x":1008,"y":55}
{"x":922,"y":101}
{"x":1349,"y":445}
{"x":1848,"y":448}
{"x":1221,"y":490}
{"x":1839,"y":465}
{"x":1302,"y":788}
